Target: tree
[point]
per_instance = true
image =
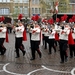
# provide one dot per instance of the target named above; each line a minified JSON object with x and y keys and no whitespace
{"x":64,"y":6}
{"x":45,"y":4}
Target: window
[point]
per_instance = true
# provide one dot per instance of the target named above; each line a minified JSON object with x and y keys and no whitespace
{"x":8,"y":0}
{"x":35,"y":1}
{"x":74,"y":8}
{"x":40,"y":11}
{"x":70,"y":9}
{"x":0,"y":0}
{"x":16,"y":1}
{"x":26,"y":1}
{"x":25,"y":10}
{"x":21,"y":1}
{"x":4,"y":11}
{"x":21,"y":9}
{"x":4,"y":0}
{"x":16,"y":10}
{"x":35,"y":10}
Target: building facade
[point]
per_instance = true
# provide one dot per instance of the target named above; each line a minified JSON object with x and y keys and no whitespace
{"x":13,"y":8}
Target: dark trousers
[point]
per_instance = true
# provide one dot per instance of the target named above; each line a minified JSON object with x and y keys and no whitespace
{"x":34,"y":48}
{"x":43,"y":39}
{"x":55,"y":42}
{"x":63,"y":50}
{"x":19,"y":45}
{"x":51,"y":45}
{"x":9,"y":29}
{"x":30,"y":38}
{"x":72,"y":50}
{"x":46,"y":41}
{"x":2,"y":48}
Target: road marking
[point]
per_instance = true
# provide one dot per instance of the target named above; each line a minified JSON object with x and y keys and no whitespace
{"x":72,"y":71}
{"x":43,"y":68}
{"x":35,"y":71}
{"x":55,"y":70}
{"x":4,"y":68}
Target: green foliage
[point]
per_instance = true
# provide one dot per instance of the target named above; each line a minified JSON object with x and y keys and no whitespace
{"x":16,"y":12}
{"x":64,"y":6}
{"x":44,"y":4}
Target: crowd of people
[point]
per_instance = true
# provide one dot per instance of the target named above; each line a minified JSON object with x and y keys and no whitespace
{"x":58,"y":33}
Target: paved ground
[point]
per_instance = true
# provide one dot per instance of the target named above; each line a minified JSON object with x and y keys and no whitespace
{"x":47,"y":65}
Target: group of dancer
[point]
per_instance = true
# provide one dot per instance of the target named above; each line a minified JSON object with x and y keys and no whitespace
{"x":57,"y":33}
{"x":62,"y":34}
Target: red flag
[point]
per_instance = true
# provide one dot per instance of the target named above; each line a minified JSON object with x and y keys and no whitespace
{"x":24,"y":35}
{"x":2,"y":18}
{"x":70,"y":39}
{"x":7,"y":37}
{"x":56,"y":36}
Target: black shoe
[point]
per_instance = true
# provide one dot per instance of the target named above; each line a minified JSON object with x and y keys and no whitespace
{"x":71,"y":56}
{"x":55,"y":51}
{"x":17,"y":56}
{"x":66,"y":60}
{"x":45,"y":48}
{"x":49,"y":53}
{"x":62,"y":62}
{"x":24,"y":53}
{"x":32,"y":59}
{"x":4,"y":52}
{"x":40,"y":55}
